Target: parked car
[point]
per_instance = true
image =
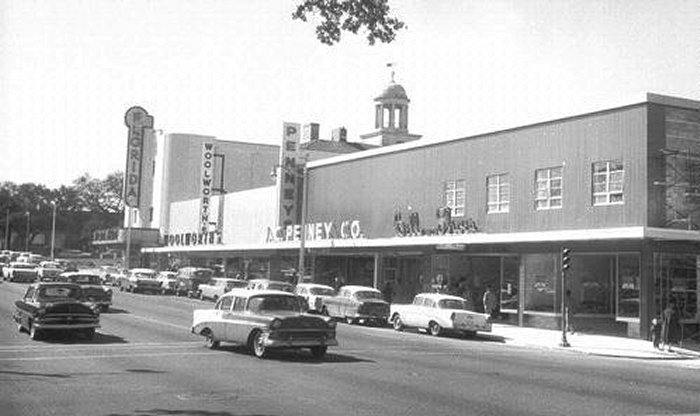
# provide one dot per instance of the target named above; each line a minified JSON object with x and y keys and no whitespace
{"x":111,"y":275}
{"x":20,"y":272}
{"x":357,"y":304}
{"x":217,"y":286}
{"x":91,"y":284}
{"x":314,"y":294}
{"x":54,"y":306}
{"x":267,"y":284}
{"x":168,"y":282}
{"x":140,"y":280}
{"x":264,"y":320}
{"x":189,"y":279}
{"x":439,"y":313}
{"x":48,"y":271}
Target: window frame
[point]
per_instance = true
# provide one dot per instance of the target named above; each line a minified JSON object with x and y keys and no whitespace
{"x":500,"y":206}
{"x":607,"y":194}
{"x":450,"y":190}
{"x":548,"y":188}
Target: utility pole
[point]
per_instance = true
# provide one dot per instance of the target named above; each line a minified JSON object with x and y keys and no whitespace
{"x":565,"y":264}
{"x":53,"y":230}
{"x":26,"y":244}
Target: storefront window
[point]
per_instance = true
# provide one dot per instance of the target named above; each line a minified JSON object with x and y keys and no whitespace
{"x":510,"y":278}
{"x":540,"y":282}
{"x":676,"y":278}
{"x":590,"y":281}
{"x":628,"y":286}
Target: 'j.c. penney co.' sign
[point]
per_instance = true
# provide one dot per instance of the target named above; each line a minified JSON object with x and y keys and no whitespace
{"x":315,"y":231}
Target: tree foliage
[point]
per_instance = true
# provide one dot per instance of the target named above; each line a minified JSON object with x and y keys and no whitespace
{"x":89,"y":203}
{"x":337,"y":16}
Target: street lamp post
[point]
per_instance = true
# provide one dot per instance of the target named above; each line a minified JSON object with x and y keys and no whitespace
{"x":53,"y":229}
{"x":26,"y":243}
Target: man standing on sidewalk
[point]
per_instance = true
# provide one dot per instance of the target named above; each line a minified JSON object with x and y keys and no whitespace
{"x":489,"y":302}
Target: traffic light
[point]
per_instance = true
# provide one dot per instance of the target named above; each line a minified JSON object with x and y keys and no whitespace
{"x":565,"y":258}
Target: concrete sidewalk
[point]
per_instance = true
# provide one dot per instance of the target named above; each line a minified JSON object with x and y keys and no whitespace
{"x":602,"y":345}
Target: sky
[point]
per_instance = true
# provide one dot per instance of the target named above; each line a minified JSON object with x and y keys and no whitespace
{"x":237,"y":70}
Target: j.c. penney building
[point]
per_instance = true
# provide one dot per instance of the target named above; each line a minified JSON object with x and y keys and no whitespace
{"x":620,"y":187}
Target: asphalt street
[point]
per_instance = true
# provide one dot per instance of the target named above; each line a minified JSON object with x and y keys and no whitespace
{"x":144,"y":361}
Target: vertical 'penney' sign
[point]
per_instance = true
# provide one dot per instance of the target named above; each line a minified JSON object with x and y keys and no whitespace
{"x":205,"y":185}
{"x":137,"y":120}
{"x":288,"y":178}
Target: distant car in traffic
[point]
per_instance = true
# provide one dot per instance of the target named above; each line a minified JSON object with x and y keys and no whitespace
{"x":168,"y":282}
{"x":189,"y":279}
{"x":18,"y":271}
{"x":267,"y":284}
{"x":91,"y":284}
{"x":357,"y":304}
{"x":217,"y":286}
{"x":264,"y":320}
{"x":437,"y":314}
{"x":140,"y":280}
{"x":48,"y":271}
{"x":55,"y":306}
{"x":314,"y":294}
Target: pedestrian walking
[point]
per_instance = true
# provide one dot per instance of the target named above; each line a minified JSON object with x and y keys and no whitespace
{"x":655,"y":333}
{"x":489,"y":300}
{"x":670,"y":326}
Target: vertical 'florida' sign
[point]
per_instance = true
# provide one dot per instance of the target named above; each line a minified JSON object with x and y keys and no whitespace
{"x":288,"y":177}
{"x":206,"y":185}
{"x":137,"y":120}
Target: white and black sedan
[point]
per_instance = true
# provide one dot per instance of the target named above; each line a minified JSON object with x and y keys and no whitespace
{"x":264,"y":320}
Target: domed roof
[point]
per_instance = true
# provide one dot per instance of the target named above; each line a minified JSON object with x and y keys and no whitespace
{"x":393,"y":91}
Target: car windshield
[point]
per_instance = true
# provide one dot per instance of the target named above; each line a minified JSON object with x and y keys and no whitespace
{"x":86,"y":279}
{"x":368,"y":294}
{"x":322,"y":291}
{"x":203,"y":274}
{"x":452,"y":304}
{"x":59,"y":292}
{"x":145,"y":275}
{"x":273,"y":303}
{"x":49,"y":265}
{"x":24,"y":266}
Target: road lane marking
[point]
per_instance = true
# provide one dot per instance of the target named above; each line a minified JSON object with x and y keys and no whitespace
{"x":157,"y":321}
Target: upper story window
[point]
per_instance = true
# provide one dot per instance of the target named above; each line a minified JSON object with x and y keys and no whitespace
{"x":498,"y":190}
{"x":454,"y":196}
{"x":608,"y":178}
{"x":548,"y":187}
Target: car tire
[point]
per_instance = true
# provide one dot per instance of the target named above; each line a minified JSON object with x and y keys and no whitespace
{"x":209,"y":340}
{"x":20,"y":328}
{"x":256,"y":344}
{"x":216,"y":298}
{"x":34,"y":333}
{"x":319,"y":351}
{"x":398,"y":323}
{"x":434,"y":329}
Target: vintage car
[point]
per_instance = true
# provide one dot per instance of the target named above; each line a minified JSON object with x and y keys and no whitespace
{"x":439,"y":313}
{"x":264,"y":320}
{"x":217,"y":286}
{"x":168,"y":282}
{"x":18,"y":271}
{"x":357,"y":304}
{"x":314,"y":294}
{"x":111,"y":275}
{"x":55,"y":306}
{"x":48,"y":271}
{"x":140,"y":280}
{"x":267,"y":284}
{"x":189,"y":279}
{"x":91,"y":284}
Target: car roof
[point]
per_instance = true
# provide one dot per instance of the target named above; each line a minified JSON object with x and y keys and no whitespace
{"x":313,"y":285}
{"x":80,"y":273}
{"x":142,"y":270}
{"x":439,"y":296}
{"x":248,"y":293}
{"x":355,"y":288}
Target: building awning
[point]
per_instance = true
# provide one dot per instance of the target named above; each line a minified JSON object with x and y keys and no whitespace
{"x":598,"y":234}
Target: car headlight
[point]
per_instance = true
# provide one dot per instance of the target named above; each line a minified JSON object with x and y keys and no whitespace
{"x":276,"y":323}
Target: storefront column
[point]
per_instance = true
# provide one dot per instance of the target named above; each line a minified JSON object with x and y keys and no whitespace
{"x":521,"y":291}
{"x":378,"y":269}
{"x":646,"y":297}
